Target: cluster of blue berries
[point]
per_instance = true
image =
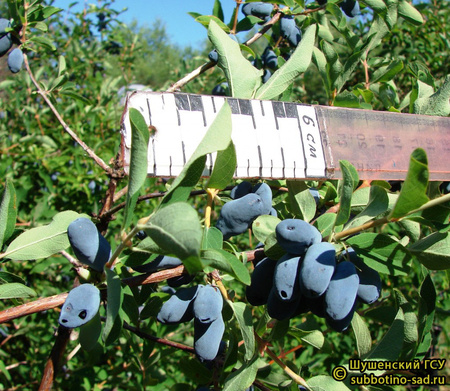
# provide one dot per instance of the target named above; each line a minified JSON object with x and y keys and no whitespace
{"x":15,"y":56}
{"x":204,"y":305}
{"x":309,"y":277}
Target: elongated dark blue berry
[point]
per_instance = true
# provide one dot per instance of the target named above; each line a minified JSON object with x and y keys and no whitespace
{"x":261,"y":282}
{"x":285,"y":279}
{"x":89,"y":245}
{"x":179,"y":307}
{"x":15,"y":60}
{"x":341,"y":293}
{"x":237,"y":216}
{"x":207,"y":338}
{"x":208,"y":304}
{"x":81,"y":305}
{"x":295,"y":235}
{"x":316,"y":269}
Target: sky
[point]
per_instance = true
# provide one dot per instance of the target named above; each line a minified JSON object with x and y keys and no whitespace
{"x":181,"y":27}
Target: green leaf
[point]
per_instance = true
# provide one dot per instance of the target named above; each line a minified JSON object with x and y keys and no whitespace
{"x":314,"y":338}
{"x":411,"y":331}
{"x":138,"y":163}
{"x":212,"y":238}
{"x":346,"y":99}
{"x":349,"y":67}
{"x":177,"y":230}
{"x":414,"y":189}
{"x":325,"y":223}
{"x":408,"y":12}
{"x":206,"y":19}
{"x":386,"y":73}
{"x":224,"y":168}
{"x":377,"y":5}
{"x":8,"y":212}
{"x":10,"y":277}
{"x":243,"y":78}
{"x":40,"y":26}
{"x":302,"y":202}
{"x":75,"y":95}
{"x":436,"y":104}
{"x":217,"y":10}
{"x":247,"y":23}
{"x":15,"y":290}
{"x":217,"y":138}
{"x":333,"y":64}
{"x":271,"y":247}
{"x":90,"y":333}
{"x":427,"y":307}
{"x":378,"y":204}
{"x":42,"y":242}
{"x":226,"y":262}
{"x":362,"y":335}
{"x":61,"y":65}
{"x":286,"y":74}
{"x":326,"y":383}
{"x":49,"y":11}
{"x":113,"y":303}
{"x":381,"y":252}
{"x":392,"y":13}
{"x":244,"y":318}
{"x":433,"y":251}
{"x":345,"y":189}
{"x":243,"y":377}
{"x":390,"y":346}
{"x":320,"y":62}
{"x":43,"y":41}
{"x":264,"y":226}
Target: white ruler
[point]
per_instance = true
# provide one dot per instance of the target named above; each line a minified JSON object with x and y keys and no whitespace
{"x":284,"y":140}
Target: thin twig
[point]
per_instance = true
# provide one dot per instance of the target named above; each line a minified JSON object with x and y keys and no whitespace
{"x":203,"y":68}
{"x":157,"y":194}
{"x":297,"y":378}
{"x":360,"y":228}
{"x":264,"y":29}
{"x":66,"y":127}
{"x":161,"y":341}
{"x":236,"y":14}
{"x":191,"y":76}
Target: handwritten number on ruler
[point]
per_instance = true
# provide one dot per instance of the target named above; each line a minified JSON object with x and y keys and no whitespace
{"x":308,"y":120}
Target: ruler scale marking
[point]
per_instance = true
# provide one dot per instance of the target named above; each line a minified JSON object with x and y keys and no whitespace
{"x":378,"y":144}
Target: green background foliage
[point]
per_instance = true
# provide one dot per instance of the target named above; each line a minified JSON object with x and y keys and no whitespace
{"x":394,"y":57}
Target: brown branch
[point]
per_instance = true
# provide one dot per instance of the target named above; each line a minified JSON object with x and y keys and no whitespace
{"x":38,"y":305}
{"x":151,"y":278}
{"x":297,"y":378}
{"x":203,"y":68}
{"x":158,"y":194}
{"x":236,"y":14}
{"x":122,"y":192}
{"x":366,"y":73}
{"x":54,"y":360}
{"x":312,"y":10}
{"x":264,"y":29}
{"x":191,"y":76}
{"x":161,"y":341}
{"x":66,"y":127}
{"x":47,"y":303}
{"x":360,"y":228}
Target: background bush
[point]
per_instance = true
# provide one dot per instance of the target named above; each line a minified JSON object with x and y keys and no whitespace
{"x":82,"y":61}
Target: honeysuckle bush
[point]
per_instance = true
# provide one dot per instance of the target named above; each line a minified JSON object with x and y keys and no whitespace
{"x":61,"y":160}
